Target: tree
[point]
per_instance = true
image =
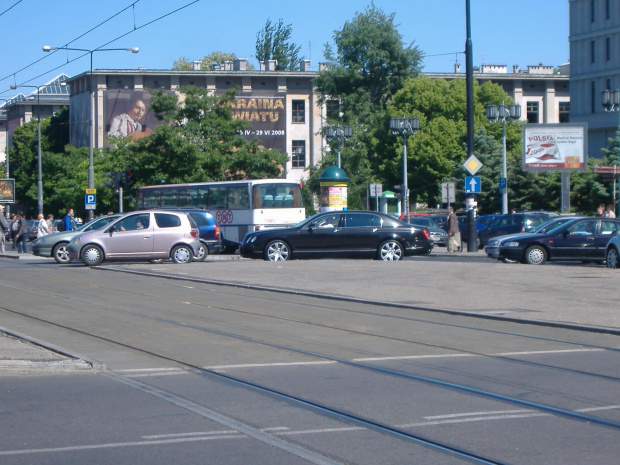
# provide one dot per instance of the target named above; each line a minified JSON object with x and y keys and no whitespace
{"x":273,"y":43}
{"x":199,"y":141}
{"x":184,"y":64}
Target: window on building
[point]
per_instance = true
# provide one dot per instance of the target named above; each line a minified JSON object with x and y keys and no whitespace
{"x":592,"y":51}
{"x":607,"y":9}
{"x":608,"y":48}
{"x":592,"y":10}
{"x":332,"y":108}
{"x":592,"y":97}
{"x":564,"y":112}
{"x":299,"y":111}
{"x":299,"y":154}
{"x":532,"y":112}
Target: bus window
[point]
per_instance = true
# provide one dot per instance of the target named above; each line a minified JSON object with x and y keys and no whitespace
{"x":188,"y":196}
{"x":277,"y":195}
{"x":169,"y":198}
{"x":238,"y":198}
{"x":203,"y":197}
{"x":218,"y":197}
{"x":151,"y":199}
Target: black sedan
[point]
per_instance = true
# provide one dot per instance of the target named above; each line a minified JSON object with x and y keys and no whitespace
{"x":581,"y":239}
{"x":339,"y":234}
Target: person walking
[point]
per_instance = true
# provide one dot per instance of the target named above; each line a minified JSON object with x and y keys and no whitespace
{"x":13,"y":232}
{"x":21,"y":236}
{"x":4,"y":227}
{"x":42,"y":227}
{"x":69,"y":224}
{"x":454,"y":234}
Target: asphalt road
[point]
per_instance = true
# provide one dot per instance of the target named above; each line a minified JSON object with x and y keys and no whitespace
{"x":192,"y":371}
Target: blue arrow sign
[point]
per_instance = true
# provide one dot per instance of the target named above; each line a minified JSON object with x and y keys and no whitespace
{"x":472,"y":184}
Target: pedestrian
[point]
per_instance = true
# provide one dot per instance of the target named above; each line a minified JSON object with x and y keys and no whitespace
{"x":42,"y":227}
{"x":50,"y":223}
{"x":21,"y":237}
{"x":4,"y":227}
{"x":454,"y":234}
{"x":14,"y":228}
{"x":68,"y":222}
{"x":609,"y":212}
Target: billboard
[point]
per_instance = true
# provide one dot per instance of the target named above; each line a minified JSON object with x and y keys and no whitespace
{"x":127,"y":114}
{"x":267,"y":117}
{"x":555,"y":147}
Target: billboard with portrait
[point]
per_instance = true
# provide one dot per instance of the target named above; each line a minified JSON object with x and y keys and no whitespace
{"x":267,"y":117}
{"x":7,"y":190}
{"x":555,"y":147}
{"x":127,"y":114}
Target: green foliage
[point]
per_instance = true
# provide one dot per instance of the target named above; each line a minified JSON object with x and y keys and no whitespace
{"x":273,"y":43}
{"x":185,"y":64}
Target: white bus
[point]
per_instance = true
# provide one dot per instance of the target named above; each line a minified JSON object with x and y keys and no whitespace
{"x":237,"y":206}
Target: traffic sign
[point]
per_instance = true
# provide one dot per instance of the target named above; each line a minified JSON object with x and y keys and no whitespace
{"x":376,"y":190}
{"x":472,"y":184}
{"x":502,"y":185}
{"x":90,"y":200}
{"x":607,"y":169}
{"x":447,"y":192}
{"x":472,"y":165}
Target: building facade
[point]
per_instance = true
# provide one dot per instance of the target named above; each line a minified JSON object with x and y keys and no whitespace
{"x":594,"y":37}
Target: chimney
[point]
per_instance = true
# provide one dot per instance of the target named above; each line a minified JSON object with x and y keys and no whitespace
{"x":240,"y":64}
{"x":515,"y":69}
{"x":323,"y":66}
{"x":457,"y":68}
{"x":304,"y":65}
{"x":270,"y":65}
{"x":197,"y":64}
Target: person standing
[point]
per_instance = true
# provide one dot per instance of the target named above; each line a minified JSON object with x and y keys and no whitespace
{"x":42,"y":227}
{"x":609,"y":212}
{"x":68,"y":221}
{"x":22,"y":234}
{"x":4,"y":227}
{"x":454,"y":234}
{"x":14,"y":228}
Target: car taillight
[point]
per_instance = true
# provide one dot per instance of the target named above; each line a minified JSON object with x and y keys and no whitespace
{"x":194,"y":233}
{"x":523,"y":228}
{"x":217,"y":231}
{"x":426,"y":234}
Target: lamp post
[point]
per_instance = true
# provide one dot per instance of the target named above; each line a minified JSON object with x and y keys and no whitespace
{"x":404,"y":126}
{"x":339,"y":133}
{"x":91,"y":117}
{"x":39,"y":170}
{"x":610,"y":99}
{"x":6,"y":162}
{"x":495,"y":113}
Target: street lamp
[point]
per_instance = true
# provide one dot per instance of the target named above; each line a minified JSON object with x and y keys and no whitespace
{"x":339,"y":133}
{"x":39,"y":171}
{"x":91,"y":117}
{"x":6,"y":160}
{"x":495,"y":113}
{"x":404,"y":126}
{"x":610,"y":100}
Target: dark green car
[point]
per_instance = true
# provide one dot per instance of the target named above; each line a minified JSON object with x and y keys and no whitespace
{"x":55,"y":245}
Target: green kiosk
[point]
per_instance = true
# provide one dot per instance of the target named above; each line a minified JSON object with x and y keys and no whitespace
{"x":333,"y":182}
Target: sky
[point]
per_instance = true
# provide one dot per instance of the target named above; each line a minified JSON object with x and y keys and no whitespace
{"x":521,"y":32}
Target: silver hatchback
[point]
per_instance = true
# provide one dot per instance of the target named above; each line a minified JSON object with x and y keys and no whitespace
{"x":141,"y":235}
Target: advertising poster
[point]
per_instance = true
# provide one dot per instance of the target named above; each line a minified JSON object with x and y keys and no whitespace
{"x":126,"y":114}
{"x":555,"y":147}
{"x":334,"y":196}
{"x":7,"y":190}
{"x":267,"y":116}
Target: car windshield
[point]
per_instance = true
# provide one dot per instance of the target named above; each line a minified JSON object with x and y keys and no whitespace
{"x":551,"y":225}
{"x":96,"y":223}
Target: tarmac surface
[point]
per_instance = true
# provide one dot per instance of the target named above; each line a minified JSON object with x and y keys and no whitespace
{"x":589,"y":298}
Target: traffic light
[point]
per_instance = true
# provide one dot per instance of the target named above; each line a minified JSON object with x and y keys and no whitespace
{"x":128,"y":178}
{"x":116,"y":179}
{"x":398,"y":191}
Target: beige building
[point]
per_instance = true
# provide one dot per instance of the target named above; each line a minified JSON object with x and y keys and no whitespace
{"x":595,"y":67}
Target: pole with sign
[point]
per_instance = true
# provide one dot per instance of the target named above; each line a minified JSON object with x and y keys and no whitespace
{"x":472,"y":186}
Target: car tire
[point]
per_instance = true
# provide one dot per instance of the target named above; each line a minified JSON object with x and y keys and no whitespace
{"x":390,"y":251}
{"x":92,"y":255}
{"x":60,"y":253}
{"x":202,"y":254}
{"x":277,"y":251}
{"x":182,"y":254}
{"x":535,"y":255}
{"x":612,"y":258}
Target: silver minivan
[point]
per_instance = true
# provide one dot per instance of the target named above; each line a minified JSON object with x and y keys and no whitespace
{"x":140,"y":235}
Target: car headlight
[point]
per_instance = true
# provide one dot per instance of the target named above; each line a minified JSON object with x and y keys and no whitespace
{"x":511,"y":244}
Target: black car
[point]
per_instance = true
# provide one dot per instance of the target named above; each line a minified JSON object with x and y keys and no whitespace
{"x":581,"y":239}
{"x":339,"y":234}
{"x":512,"y":223}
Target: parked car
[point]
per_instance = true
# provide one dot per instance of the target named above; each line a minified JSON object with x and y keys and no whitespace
{"x":32,"y":229}
{"x":513,"y":223}
{"x":339,"y":234}
{"x":492,"y":247}
{"x":208,"y":230}
{"x":55,"y":244}
{"x":583,"y":239}
{"x":612,"y":252}
{"x":438,"y":235}
{"x":483,"y":221}
{"x":140,"y":235}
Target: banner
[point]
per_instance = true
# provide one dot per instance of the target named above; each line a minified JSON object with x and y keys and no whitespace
{"x":127,"y":114}
{"x":7,"y":190}
{"x":267,"y":117}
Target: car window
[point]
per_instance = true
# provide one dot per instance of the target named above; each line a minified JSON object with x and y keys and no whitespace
{"x":586,"y":227}
{"x":357,"y":220}
{"x":609,"y":228}
{"x":199,"y":219}
{"x":327,"y":221}
{"x":133,"y":223}
{"x":166,"y":220}
{"x":97,"y":224}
